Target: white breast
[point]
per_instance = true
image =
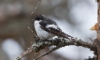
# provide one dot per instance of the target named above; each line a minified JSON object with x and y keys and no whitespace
{"x":42,"y":33}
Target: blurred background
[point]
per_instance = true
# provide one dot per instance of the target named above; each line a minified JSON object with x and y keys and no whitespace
{"x":74,"y":17}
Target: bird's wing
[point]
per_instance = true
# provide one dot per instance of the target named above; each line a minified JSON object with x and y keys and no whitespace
{"x":53,"y":28}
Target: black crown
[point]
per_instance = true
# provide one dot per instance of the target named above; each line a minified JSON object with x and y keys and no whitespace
{"x":40,"y":17}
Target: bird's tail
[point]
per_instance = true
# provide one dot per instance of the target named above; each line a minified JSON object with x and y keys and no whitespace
{"x":66,"y":36}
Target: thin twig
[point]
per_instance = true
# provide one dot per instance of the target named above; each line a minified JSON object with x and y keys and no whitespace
{"x":36,"y":6}
{"x":35,"y":55}
{"x":32,"y":32}
{"x":92,"y":41}
{"x":29,"y":50}
{"x":48,"y":52}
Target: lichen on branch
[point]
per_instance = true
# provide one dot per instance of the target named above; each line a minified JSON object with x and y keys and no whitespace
{"x":37,"y":45}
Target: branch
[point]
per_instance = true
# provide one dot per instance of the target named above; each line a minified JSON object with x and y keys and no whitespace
{"x":97,"y":41}
{"x":48,"y":52}
{"x":36,"y":7}
{"x":58,"y":42}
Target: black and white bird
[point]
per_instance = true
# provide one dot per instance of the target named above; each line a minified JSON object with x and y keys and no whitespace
{"x":47,"y":28}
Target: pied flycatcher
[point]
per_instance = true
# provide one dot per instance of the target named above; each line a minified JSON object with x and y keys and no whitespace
{"x":47,"y":28}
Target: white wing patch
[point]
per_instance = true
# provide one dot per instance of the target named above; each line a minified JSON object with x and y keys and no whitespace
{"x":52,"y":26}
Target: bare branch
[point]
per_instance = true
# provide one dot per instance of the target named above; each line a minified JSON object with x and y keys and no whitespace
{"x":29,"y":50}
{"x":48,"y":52}
{"x":97,"y":41}
{"x":36,"y":7}
{"x":32,"y":32}
{"x":59,"y":42}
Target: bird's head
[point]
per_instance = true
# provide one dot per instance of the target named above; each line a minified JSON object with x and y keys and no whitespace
{"x":40,"y":17}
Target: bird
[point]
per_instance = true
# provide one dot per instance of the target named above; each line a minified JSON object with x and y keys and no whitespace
{"x":47,"y":28}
